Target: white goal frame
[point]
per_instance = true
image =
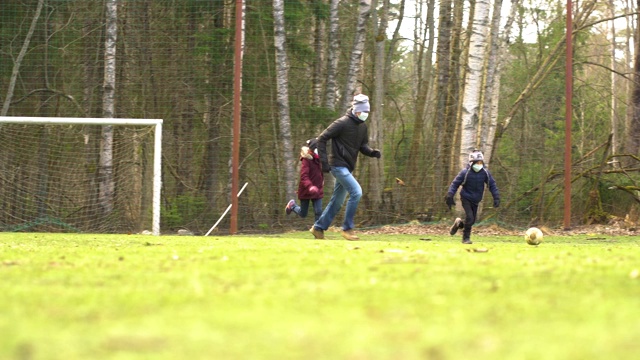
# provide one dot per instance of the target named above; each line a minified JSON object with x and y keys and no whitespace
{"x":157,"y":147}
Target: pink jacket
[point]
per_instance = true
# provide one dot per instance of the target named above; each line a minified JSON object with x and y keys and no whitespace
{"x":310,"y":175}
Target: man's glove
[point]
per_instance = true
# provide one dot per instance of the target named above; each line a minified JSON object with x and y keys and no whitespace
{"x":496,"y":203}
{"x":376,"y":154}
{"x":325,"y":167}
{"x":449,"y":200}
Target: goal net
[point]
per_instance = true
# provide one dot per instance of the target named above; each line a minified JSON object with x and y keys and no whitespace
{"x":80,"y":175}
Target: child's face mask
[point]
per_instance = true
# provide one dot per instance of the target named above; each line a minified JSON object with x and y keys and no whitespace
{"x":476,"y":167}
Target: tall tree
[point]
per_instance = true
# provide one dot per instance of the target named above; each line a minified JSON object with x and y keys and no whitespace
{"x":282,"y":80}
{"x":473,"y":84}
{"x":499,"y":44}
{"x":106,"y":184}
{"x":443,"y":64}
{"x":632,"y":143}
{"x":458,"y":71}
{"x":318,"y":47}
{"x":376,"y":136}
{"x":364,"y":10}
{"x":332,"y":55}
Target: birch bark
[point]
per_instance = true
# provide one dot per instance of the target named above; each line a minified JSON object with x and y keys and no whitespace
{"x":282,"y":80}
{"x":632,"y":143}
{"x":318,"y":46}
{"x":473,"y":84}
{"x":332,"y":55}
{"x":491,"y":124}
{"x":106,"y":185}
{"x":614,"y":100}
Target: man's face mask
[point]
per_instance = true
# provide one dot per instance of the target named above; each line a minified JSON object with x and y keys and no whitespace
{"x":363,"y":116}
{"x":476,"y":167}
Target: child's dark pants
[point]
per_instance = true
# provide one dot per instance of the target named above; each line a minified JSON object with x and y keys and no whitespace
{"x":470,"y":214}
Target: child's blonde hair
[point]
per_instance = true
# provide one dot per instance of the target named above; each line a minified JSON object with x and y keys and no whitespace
{"x":304,"y":153}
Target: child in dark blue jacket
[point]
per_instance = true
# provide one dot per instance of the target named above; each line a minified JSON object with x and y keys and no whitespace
{"x":472,"y":179}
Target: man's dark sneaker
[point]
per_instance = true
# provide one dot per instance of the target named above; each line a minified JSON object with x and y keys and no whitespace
{"x":318,"y":234}
{"x":466,"y":241}
{"x":289,"y":208}
{"x":457,"y":224}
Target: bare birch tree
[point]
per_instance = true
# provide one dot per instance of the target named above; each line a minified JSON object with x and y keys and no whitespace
{"x":614,"y":101}
{"x":473,"y":84}
{"x":632,"y":143}
{"x":332,"y":55}
{"x":364,"y":10}
{"x":18,"y":61}
{"x":106,"y":185}
{"x":499,"y":45}
{"x":490,"y":81}
{"x":318,"y":60}
{"x":282,"y":80}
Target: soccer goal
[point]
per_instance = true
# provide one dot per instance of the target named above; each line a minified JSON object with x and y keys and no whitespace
{"x":80,"y":174}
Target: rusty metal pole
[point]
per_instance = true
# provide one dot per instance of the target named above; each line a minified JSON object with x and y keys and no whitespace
{"x":568,"y":115}
{"x":237,"y":91}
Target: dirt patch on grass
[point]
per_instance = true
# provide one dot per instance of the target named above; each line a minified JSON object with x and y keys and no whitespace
{"x":614,"y":229}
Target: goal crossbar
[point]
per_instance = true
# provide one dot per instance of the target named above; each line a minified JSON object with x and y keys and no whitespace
{"x":157,"y":148}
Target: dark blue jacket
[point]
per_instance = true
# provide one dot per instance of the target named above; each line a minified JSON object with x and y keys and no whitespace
{"x":473,"y":185}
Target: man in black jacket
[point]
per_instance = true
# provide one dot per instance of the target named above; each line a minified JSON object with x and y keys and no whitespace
{"x":349,"y":136}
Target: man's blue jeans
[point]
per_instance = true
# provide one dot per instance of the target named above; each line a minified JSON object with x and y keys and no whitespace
{"x":345,"y":184}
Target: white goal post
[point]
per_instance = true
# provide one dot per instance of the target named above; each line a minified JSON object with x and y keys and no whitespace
{"x":157,"y":146}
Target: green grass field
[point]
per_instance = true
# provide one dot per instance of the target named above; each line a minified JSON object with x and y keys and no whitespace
{"x":67,"y":296}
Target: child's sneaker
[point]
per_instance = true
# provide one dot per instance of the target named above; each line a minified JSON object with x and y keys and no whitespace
{"x":466,"y":241}
{"x":289,"y":208}
{"x":457,"y":224}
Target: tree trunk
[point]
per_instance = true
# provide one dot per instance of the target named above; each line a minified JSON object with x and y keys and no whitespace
{"x":18,"y":61}
{"x":443,"y":52}
{"x":106,"y":185}
{"x":492,"y":92}
{"x":332,"y":56}
{"x":459,"y":58}
{"x":318,"y":60}
{"x":489,"y":80}
{"x":614,"y":101}
{"x":364,"y":10}
{"x":633,"y":133}
{"x":282,"y":79}
{"x":627,"y":68}
{"x":376,"y":136}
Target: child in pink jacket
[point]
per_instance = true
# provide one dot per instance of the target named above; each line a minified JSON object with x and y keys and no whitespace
{"x":311,"y":182}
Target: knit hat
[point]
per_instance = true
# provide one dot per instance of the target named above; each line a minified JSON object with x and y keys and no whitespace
{"x":475,"y":155}
{"x":361,"y":103}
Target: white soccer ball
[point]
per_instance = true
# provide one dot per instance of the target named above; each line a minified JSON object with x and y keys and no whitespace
{"x":533,"y":236}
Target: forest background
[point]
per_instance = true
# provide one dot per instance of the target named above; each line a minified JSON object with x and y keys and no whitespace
{"x":468,"y":74}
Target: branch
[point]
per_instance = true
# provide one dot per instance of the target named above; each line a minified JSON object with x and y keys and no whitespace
{"x":56,"y":92}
